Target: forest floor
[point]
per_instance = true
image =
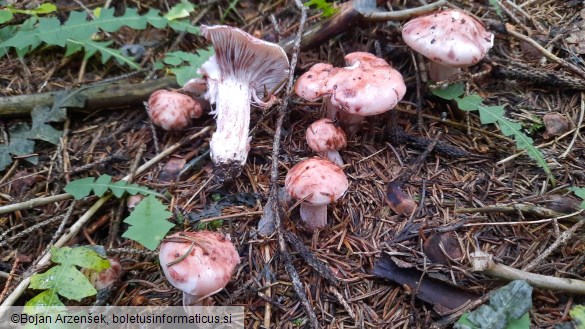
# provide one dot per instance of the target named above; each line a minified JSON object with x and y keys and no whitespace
{"x":453,"y":189}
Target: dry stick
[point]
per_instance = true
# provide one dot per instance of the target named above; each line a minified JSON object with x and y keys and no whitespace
{"x":483,"y":262}
{"x":65,"y":196}
{"x":273,"y":199}
{"x":310,"y":259}
{"x":11,"y":275}
{"x":525,"y":208}
{"x":76,"y":227}
{"x":547,"y":53}
{"x":581,"y":114}
{"x":100,"y":96}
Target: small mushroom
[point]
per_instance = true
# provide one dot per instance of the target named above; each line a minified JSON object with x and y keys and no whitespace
{"x":316,"y":182}
{"x":198,"y":263}
{"x":556,"y":124}
{"x":242,"y":70}
{"x":105,"y":278}
{"x":172,"y":110}
{"x":450,"y":39}
{"x":326,"y":138}
{"x":367,"y":86}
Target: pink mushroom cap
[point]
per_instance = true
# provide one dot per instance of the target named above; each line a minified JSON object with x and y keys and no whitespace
{"x":448,"y":37}
{"x":207,"y":267}
{"x":325,"y":135}
{"x":172,"y":110}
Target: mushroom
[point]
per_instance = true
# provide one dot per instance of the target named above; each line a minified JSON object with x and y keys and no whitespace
{"x":105,"y":278}
{"x":450,"y":39}
{"x":367,"y":86}
{"x":172,"y":110}
{"x":316,"y":182}
{"x":242,"y":70}
{"x":199,"y":264}
{"x":325,"y":137}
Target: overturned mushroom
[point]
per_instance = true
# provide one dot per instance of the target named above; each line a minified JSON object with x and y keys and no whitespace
{"x":242,"y":70}
{"x":367,"y":86}
{"x":198,"y":263}
{"x":450,"y":39}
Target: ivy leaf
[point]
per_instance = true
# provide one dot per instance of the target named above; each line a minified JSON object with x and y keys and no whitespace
{"x":148,"y":223}
{"x":80,"y":256}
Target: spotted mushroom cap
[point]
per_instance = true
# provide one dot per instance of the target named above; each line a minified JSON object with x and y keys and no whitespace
{"x":367,"y":86}
{"x":316,"y":181}
{"x":324,"y":135}
{"x":172,"y":110}
{"x":448,"y":37}
{"x":238,"y":55}
{"x":202,"y":271}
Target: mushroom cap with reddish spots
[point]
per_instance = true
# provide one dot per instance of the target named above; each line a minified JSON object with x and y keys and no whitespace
{"x":324,"y":135}
{"x":105,"y":278}
{"x":172,"y":110}
{"x":316,"y":181}
{"x":368,"y":86}
{"x":448,"y":37}
{"x":201,"y":272}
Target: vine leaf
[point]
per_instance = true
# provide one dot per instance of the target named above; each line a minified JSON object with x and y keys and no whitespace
{"x":80,"y":188}
{"x":148,"y":223}
{"x":495,"y":115}
{"x":65,"y":279}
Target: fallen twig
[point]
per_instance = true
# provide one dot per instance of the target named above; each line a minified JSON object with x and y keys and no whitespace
{"x":483,"y":262}
{"x":310,"y":259}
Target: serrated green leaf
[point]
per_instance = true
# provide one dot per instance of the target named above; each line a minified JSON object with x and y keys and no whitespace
{"x":184,"y":26}
{"x":66,"y":280}
{"x":45,"y":298}
{"x":45,"y":8}
{"x":148,"y":224}
{"x":450,"y":92}
{"x":180,"y":10}
{"x":491,"y":114}
{"x":19,"y":144}
{"x":5,"y":16}
{"x":102,"y":185}
{"x":79,"y":256}
{"x":193,"y":61}
{"x":469,"y":103}
{"x":80,"y":188}
{"x":40,"y":129}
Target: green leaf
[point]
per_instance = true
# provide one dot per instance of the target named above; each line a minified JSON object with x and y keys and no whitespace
{"x":577,"y":312}
{"x":496,"y":5}
{"x":148,"y":223}
{"x":81,"y":188}
{"x":80,"y":256}
{"x":45,"y":8}
{"x":5,"y":16}
{"x":522,"y":323}
{"x":19,"y":145}
{"x":580,"y":192}
{"x":45,"y":298}
{"x":186,"y":64}
{"x":450,"y":92}
{"x":180,"y":10}
{"x":469,"y":103}
{"x":40,"y":129}
{"x":326,"y":8}
{"x":65,"y":280}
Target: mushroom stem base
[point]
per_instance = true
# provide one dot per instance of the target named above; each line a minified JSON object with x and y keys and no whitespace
{"x":314,"y":216}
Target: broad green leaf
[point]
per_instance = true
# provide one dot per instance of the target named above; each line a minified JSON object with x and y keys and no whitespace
{"x":180,"y":10}
{"x":45,"y":298}
{"x":148,"y":224}
{"x":45,"y":8}
{"x":65,"y":280}
{"x":450,"y":92}
{"x":5,"y":16}
{"x":515,"y":298}
{"x":80,"y":256}
{"x":522,"y":323}
{"x":80,"y":188}
{"x":101,"y":185}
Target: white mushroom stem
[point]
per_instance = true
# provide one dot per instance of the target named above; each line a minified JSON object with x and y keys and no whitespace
{"x":351,"y":122}
{"x":229,"y":143}
{"x":440,"y":72}
{"x":314,"y":216}
{"x":334,"y":156}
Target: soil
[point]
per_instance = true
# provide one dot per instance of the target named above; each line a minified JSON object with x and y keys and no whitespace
{"x":453,"y":189}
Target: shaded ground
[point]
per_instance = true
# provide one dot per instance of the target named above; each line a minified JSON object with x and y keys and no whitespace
{"x":362,"y":226}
